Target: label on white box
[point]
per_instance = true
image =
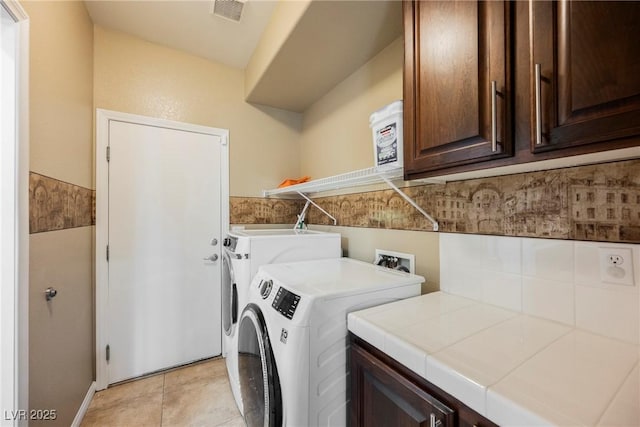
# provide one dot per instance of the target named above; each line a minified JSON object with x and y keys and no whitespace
{"x":386,"y":125}
{"x":387,"y":144}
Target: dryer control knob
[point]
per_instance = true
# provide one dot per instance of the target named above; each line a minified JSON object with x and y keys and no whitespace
{"x":265,"y":288}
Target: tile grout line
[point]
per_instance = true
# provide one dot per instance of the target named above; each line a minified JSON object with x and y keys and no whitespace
{"x":164,"y":381}
{"x":543,"y":348}
{"x":618,"y":391}
{"x":521,"y":254}
{"x":494,"y":383}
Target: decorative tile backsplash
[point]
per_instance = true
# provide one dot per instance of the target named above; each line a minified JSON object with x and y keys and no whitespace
{"x":56,"y":205}
{"x":257,"y":210}
{"x":595,"y":202}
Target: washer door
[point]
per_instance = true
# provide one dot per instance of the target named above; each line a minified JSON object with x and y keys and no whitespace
{"x":229,"y":296}
{"x":259,"y":381}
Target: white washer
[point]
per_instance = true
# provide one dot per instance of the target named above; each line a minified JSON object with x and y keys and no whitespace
{"x":244,"y":252}
{"x":292,"y":337}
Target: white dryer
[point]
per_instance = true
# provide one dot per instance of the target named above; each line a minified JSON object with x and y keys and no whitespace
{"x":244,"y":252}
{"x":292,"y":337}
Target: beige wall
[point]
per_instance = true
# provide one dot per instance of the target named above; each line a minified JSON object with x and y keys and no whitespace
{"x":61,"y":89}
{"x":361,"y":243}
{"x":135,"y":76}
{"x":336,"y":138}
{"x":61,"y":351}
{"x":61,"y":103}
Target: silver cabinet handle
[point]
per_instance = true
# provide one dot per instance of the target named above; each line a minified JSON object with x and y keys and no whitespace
{"x":494,"y":117}
{"x":214,"y":241}
{"x":213,"y":257}
{"x":433,"y":422}
{"x":50,"y":293}
{"x":538,"y":88}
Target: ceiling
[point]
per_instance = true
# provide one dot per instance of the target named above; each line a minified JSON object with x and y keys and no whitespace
{"x":328,"y":42}
{"x":188,"y":26}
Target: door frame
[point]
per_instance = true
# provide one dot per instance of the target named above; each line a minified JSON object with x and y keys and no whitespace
{"x":103,"y":117}
{"x":14,"y":284}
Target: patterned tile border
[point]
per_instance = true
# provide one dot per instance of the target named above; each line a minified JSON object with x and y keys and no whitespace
{"x":57,"y":205}
{"x":596,"y":202}
{"x":257,"y":210}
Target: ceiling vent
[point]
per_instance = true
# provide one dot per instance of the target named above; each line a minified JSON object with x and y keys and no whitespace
{"x":229,"y":9}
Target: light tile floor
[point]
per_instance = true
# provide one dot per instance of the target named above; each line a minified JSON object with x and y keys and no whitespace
{"x":197,"y":395}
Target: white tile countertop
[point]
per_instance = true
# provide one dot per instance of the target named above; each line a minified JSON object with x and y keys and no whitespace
{"x":513,"y":368}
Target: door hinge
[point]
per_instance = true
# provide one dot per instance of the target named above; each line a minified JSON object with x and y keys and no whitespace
{"x":108,"y":352}
{"x":107,"y":253}
{"x":108,"y":153}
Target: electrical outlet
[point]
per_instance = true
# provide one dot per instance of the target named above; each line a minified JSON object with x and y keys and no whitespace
{"x":615,"y":260}
{"x":616,"y":266}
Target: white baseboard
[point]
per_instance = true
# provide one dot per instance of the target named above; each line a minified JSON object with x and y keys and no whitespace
{"x":85,"y":405}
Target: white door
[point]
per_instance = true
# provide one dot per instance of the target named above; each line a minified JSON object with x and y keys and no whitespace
{"x":164,"y":265}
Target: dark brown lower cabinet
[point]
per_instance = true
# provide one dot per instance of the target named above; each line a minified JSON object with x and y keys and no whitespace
{"x":384,"y":393}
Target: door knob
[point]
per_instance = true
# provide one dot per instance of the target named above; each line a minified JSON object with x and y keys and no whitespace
{"x":213,"y":257}
{"x":214,"y":241}
{"x":49,"y":293}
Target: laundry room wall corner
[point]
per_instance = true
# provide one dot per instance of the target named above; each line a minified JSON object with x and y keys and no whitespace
{"x":60,"y":200}
{"x":264,"y":141}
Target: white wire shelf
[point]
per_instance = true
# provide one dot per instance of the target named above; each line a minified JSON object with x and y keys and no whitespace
{"x":351,"y":179}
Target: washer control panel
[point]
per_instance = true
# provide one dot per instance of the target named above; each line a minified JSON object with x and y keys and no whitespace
{"x":285,"y":302}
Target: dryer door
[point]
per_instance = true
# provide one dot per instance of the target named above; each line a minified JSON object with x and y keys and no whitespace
{"x":229,"y":296}
{"x":259,"y":381}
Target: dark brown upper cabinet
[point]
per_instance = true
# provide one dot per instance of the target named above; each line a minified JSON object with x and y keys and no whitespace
{"x":585,"y":73}
{"x":457,"y":84}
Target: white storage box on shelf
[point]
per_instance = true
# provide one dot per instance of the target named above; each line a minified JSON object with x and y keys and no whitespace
{"x":386,"y":125}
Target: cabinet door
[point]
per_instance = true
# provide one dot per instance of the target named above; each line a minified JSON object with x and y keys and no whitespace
{"x":587,"y":87}
{"x":457,"y":84}
{"x":381,"y":397}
